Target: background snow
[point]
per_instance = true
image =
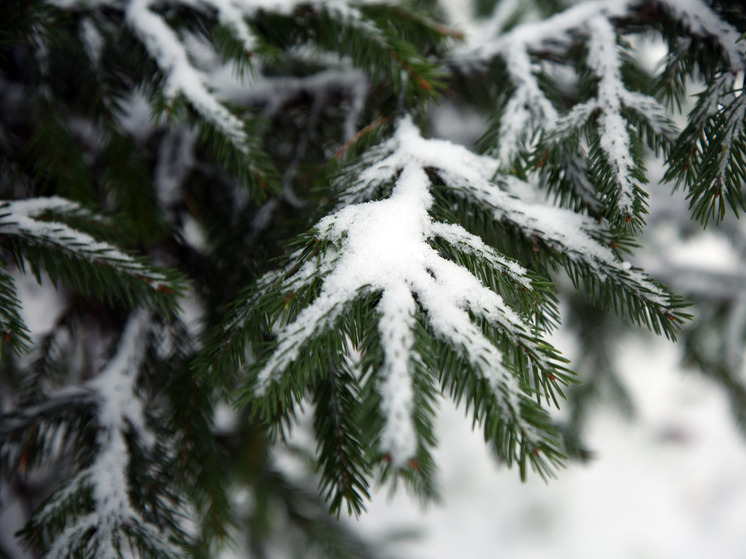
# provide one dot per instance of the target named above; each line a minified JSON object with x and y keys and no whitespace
{"x":669,"y":484}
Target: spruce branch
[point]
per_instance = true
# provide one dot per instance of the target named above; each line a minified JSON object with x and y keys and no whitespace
{"x":227,"y":133}
{"x":616,"y":118}
{"x":709,"y":156}
{"x":381,"y":252}
{"x":92,"y":515}
{"x":559,"y":30}
{"x":190,"y":417}
{"x":12,"y":326}
{"x":581,"y":244}
{"x":374,"y":38}
{"x":702,"y":21}
{"x":344,"y":473}
{"x":615,"y":164}
{"x":376,"y":253}
{"x":553,"y":32}
{"x":182,"y":78}
{"x":527,"y":110}
{"x":626,"y":195}
{"x":36,"y":232}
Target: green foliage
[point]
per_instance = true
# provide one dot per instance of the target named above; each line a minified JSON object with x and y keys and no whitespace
{"x":14,"y":331}
{"x":708,"y":157}
{"x":46,"y":244}
{"x":197,"y":229}
{"x":379,"y":38}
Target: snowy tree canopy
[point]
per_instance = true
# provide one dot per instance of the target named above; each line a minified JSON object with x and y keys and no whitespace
{"x":255,"y":213}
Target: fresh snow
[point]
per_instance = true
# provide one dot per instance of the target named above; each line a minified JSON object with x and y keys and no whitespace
{"x":182,"y":77}
{"x":614,"y":137}
{"x":384,"y":248}
{"x":118,"y":410}
{"x":701,"y":20}
{"x":20,"y":217}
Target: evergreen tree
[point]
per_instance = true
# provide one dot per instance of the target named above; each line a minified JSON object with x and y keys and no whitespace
{"x":246,"y":211}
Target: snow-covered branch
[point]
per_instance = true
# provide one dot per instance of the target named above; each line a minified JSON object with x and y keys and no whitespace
{"x":553,"y":31}
{"x":182,"y":78}
{"x":574,"y":236}
{"x":528,"y":109}
{"x":384,"y":247}
{"x":614,"y":139}
{"x":701,"y":20}
{"x":32,"y":220}
{"x":558,"y":30}
{"x":118,"y":411}
{"x":709,"y":153}
{"x":615,"y":111}
{"x":471,"y":176}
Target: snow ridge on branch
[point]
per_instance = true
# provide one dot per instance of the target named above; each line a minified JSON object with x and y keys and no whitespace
{"x":528,"y":108}
{"x":22,"y":218}
{"x":551,"y":32}
{"x":558,"y":30}
{"x":112,"y":515}
{"x":614,"y":137}
{"x":52,"y":235}
{"x":182,"y":78}
{"x":701,"y":20}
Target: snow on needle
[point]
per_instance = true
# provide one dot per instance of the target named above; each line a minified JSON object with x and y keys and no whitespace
{"x":384,"y":248}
